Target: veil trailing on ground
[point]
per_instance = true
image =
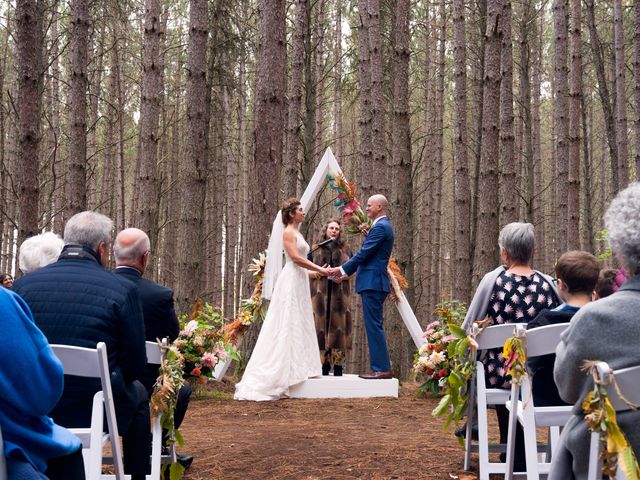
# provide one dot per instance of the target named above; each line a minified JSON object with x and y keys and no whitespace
{"x":274,"y":257}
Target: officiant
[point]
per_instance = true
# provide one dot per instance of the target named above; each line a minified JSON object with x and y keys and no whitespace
{"x":331,"y":299}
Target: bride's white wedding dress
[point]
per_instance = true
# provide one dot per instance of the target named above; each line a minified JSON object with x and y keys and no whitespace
{"x":286,"y":352}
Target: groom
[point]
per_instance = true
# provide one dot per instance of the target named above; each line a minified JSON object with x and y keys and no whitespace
{"x":372,"y":283}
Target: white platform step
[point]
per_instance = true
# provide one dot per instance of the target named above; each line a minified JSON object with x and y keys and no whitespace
{"x":346,"y":386}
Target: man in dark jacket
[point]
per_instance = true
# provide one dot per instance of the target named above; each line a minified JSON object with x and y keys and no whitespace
{"x":75,"y":301}
{"x":131,"y":251}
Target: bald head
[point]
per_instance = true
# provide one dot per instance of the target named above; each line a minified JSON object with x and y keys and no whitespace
{"x":131,"y":248}
{"x":377,"y":206}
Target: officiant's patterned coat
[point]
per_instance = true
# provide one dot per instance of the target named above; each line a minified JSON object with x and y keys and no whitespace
{"x":332,"y":301}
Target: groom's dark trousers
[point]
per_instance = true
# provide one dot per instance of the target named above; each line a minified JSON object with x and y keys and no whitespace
{"x":372,"y":283}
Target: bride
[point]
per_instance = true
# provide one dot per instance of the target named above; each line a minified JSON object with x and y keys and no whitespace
{"x":286,"y":352}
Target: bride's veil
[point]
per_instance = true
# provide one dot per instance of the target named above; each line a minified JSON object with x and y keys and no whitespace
{"x":274,"y":257}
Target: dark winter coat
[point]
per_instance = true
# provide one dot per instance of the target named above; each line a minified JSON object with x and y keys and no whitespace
{"x":75,"y":301}
{"x":160,"y":318}
{"x":332,"y":301}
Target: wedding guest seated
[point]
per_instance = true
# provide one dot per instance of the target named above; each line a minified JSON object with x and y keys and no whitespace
{"x":131,"y":251}
{"x":6,"y":280}
{"x":606,"y":330}
{"x":577,"y":274}
{"x":31,"y":381}
{"x":39,"y":251}
{"x":75,"y":301}
{"x":606,"y":284}
{"x":512,"y":293}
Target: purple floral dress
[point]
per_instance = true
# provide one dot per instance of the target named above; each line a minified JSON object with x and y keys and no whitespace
{"x":515,"y":299}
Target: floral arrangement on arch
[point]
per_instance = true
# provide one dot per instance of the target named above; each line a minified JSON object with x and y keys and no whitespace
{"x":252,"y":309}
{"x":356,"y":221}
{"x":203,"y":343}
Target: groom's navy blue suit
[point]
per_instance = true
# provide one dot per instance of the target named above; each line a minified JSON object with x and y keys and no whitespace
{"x":372,"y":283}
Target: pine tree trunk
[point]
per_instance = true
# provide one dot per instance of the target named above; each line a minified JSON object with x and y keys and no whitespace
{"x":478,"y":72}
{"x":269,"y":122}
{"x":621,"y":96}
{"x":561,"y":111}
{"x":29,"y":101}
{"x":146,"y":214}
{"x":290,"y":171}
{"x":401,"y":165}
{"x":486,"y":252}
{"x":366,"y":179}
{"x":603,"y":91}
{"x":378,"y":164}
{"x":575,"y":117}
{"x":194,"y":164}
{"x":76,"y":176}
{"x":538,"y":209}
{"x":509,"y":184}
{"x":461,"y":190}
{"x":337,"y":109}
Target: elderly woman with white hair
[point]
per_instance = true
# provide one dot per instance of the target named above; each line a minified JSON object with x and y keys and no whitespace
{"x":39,"y":251}
{"x":512,"y":293}
{"x":606,"y":330}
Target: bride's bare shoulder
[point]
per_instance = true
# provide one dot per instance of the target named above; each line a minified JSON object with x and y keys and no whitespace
{"x":289,"y":233}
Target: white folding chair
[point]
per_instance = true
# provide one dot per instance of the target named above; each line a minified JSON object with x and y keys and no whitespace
{"x":92,"y":363}
{"x":3,"y":464}
{"x":538,"y":341}
{"x":155,"y":356}
{"x":480,"y":397}
{"x":628,"y":381}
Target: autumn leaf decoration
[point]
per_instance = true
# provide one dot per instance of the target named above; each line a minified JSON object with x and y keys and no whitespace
{"x":600,"y":416}
{"x":516,"y":359}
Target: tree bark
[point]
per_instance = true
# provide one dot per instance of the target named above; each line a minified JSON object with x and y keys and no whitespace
{"x":378,"y":164}
{"x":461,"y":190}
{"x":194,"y":165}
{"x":636,"y":82}
{"x":487,"y":256}
{"x":575,"y":117}
{"x":76,"y":175}
{"x":621,"y":96}
{"x":367,"y":181}
{"x":509,"y":184}
{"x":289,"y":183}
{"x":29,"y":103}
{"x":561,"y":111}
{"x":401,"y":156}
{"x":603,"y":91}
{"x":147,"y":212}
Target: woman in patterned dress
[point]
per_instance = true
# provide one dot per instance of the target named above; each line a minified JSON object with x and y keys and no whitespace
{"x":513,"y":293}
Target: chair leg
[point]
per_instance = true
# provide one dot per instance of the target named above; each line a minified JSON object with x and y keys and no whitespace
{"x":511,"y":435}
{"x":471,"y":413}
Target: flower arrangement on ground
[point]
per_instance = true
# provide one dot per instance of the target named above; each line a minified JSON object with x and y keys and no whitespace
{"x":202,"y":342}
{"x":432,"y":359}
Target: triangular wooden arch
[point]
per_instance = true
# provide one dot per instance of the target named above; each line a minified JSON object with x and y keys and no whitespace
{"x":329,"y":164}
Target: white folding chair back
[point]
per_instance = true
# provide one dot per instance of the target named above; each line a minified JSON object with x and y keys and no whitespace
{"x":92,"y":363}
{"x":155,"y":356}
{"x":480,"y":397}
{"x":628,"y":380}
{"x":538,"y":341}
{"x":3,"y":463}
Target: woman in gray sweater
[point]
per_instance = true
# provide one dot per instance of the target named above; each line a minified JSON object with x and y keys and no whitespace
{"x":606,"y":330}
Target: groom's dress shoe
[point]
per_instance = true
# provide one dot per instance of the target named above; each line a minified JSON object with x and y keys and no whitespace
{"x":376,"y":375}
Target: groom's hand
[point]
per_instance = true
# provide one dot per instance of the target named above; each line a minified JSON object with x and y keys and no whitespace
{"x":334,"y":272}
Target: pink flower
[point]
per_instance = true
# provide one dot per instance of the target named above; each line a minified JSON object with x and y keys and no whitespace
{"x":351,"y":207}
{"x":448,"y":338}
{"x":221,"y":353}
{"x":190,"y":327}
{"x":209,"y":360}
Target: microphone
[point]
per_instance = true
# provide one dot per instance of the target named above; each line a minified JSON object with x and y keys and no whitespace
{"x":322,"y":244}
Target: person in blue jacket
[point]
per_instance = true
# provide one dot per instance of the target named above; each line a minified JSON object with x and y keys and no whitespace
{"x":372,"y":283}
{"x":31,"y":382}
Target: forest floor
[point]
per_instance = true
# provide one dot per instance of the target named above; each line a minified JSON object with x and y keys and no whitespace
{"x":378,"y":438}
